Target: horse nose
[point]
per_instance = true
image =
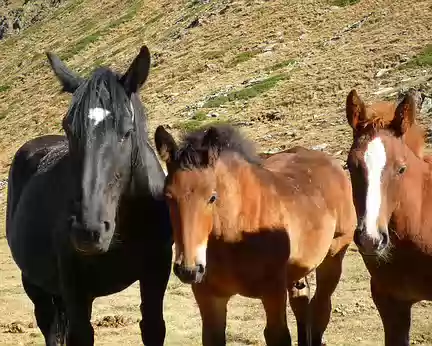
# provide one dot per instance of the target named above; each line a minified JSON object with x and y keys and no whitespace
{"x":189,"y":275}
{"x":384,"y":241}
{"x":89,"y":232}
{"x":358,"y":234}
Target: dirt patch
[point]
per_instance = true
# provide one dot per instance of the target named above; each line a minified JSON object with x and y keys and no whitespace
{"x":116,"y":321}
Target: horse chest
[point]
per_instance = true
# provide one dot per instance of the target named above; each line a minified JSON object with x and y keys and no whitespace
{"x":406,"y":274}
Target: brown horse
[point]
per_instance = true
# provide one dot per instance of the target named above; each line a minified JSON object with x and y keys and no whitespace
{"x":256,"y":227}
{"x":392,"y":191}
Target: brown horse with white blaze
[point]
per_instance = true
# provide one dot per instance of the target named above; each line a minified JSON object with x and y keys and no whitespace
{"x":392,"y":192}
{"x":256,"y":227}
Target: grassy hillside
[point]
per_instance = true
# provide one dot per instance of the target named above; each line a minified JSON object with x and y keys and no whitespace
{"x":279,"y":69}
{"x":304,"y":54}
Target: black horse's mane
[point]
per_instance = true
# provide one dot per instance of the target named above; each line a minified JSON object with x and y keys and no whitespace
{"x":104,"y":90}
{"x":200,"y":147}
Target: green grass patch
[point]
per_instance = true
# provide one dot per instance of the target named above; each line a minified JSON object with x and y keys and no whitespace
{"x":246,"y":93}
{"x":280,"y":65}
{"x":343,"y":3}
{"x":200,"y":115}
{"x":213,"y":54}
{"x":95,"y":36}
{"x":125,"y":18}
{"x":243,"y":57}
{"x":81,"y":45}
{"x":85,"y":72}
{"x":4,"y":88}
{"x":154,"y":19}
{"x":422,"y":59}
{"x":193,"y":124}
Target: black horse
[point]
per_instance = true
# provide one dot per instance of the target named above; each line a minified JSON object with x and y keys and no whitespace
{"x":85,"y":214}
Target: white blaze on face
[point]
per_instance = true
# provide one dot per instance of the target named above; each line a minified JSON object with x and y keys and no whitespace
{"x":375,"y":159}
{"x":98,"y":114}
{"x":201,"y":255}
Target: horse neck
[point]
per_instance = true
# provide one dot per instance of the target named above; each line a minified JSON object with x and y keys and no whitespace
{"x":147,"y":173}
{"x":244,"y":197}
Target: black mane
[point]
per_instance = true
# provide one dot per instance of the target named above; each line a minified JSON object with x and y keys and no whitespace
{"x":197,"y":146}
{"x":103,"y":90}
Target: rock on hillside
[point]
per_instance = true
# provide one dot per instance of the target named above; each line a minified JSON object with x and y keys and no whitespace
{"x":18,"y":15}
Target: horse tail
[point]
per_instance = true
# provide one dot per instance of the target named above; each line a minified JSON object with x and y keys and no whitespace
{"x":61,"y":322}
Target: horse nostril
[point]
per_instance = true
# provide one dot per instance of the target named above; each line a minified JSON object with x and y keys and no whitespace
{"x":107,"y":226}
{"x":357,"y":236}
{"x":384,"y":240}
{"x":72,"y":221}
{"x":201,"y":269}
{"x":94,"y":236}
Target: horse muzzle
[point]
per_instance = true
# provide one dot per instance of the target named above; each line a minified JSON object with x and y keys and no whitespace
{"x":368,"y":244}
{"x":91,"y":238}
{"x":189,"y":275}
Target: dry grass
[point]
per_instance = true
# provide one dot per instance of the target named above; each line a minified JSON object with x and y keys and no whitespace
{"x":234,"y":43}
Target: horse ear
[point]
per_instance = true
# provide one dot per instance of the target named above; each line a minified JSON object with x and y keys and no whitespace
{"x":211,"y":142}
{"x":69,"y":80}
{"x":404,"y":116}
{"x":355,"y":109}
{"x":138,"y":71}
{"x":165,"y":144}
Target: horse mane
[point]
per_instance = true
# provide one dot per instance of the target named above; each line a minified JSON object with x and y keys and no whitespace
{"x":198,"y":150}
{"x":148,"y":171}
{"x":379,"y":115}
{"x":102,"y":89}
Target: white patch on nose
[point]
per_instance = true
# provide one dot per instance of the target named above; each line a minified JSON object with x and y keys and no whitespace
{"x":178,"y":254}
{"x":98,"y":114}
{"x":375,"y":159}
{"x":201,"y":255}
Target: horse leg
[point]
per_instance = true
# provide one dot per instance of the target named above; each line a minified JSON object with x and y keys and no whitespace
{"x":44,"y":310}
{"x":395,"y":315}
{"x":152,"y":289}
{"x":276,"y":332}
{"x":80,"y":331}
{"x":60,"y":320}
{"x":299,"y":297}
{"x":328,"y":274}
{"x":213,"y":311}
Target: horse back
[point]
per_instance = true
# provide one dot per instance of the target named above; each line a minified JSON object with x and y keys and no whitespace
{"x":321,"y":187}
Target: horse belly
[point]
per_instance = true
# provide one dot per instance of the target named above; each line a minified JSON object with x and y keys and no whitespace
{"x":248,"y":269}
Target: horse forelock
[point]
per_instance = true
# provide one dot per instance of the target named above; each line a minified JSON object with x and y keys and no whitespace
{"x":197,"y":152}
{"x":99,"y":100}
{"x":379,"y":116}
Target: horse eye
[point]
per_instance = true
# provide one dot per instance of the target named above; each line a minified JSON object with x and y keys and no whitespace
{"x":127,"y":135}
{"x":402,"y":169}
{"x":212,"y":199}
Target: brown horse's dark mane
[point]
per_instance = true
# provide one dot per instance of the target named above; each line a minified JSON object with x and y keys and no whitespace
{"x":200,"y":148}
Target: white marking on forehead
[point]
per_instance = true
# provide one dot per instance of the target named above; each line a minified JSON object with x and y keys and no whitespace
{"x":375,"y":159}
{"x":133,"y":111}
{"x":201,"y":255}
{"x":98,"y":114}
